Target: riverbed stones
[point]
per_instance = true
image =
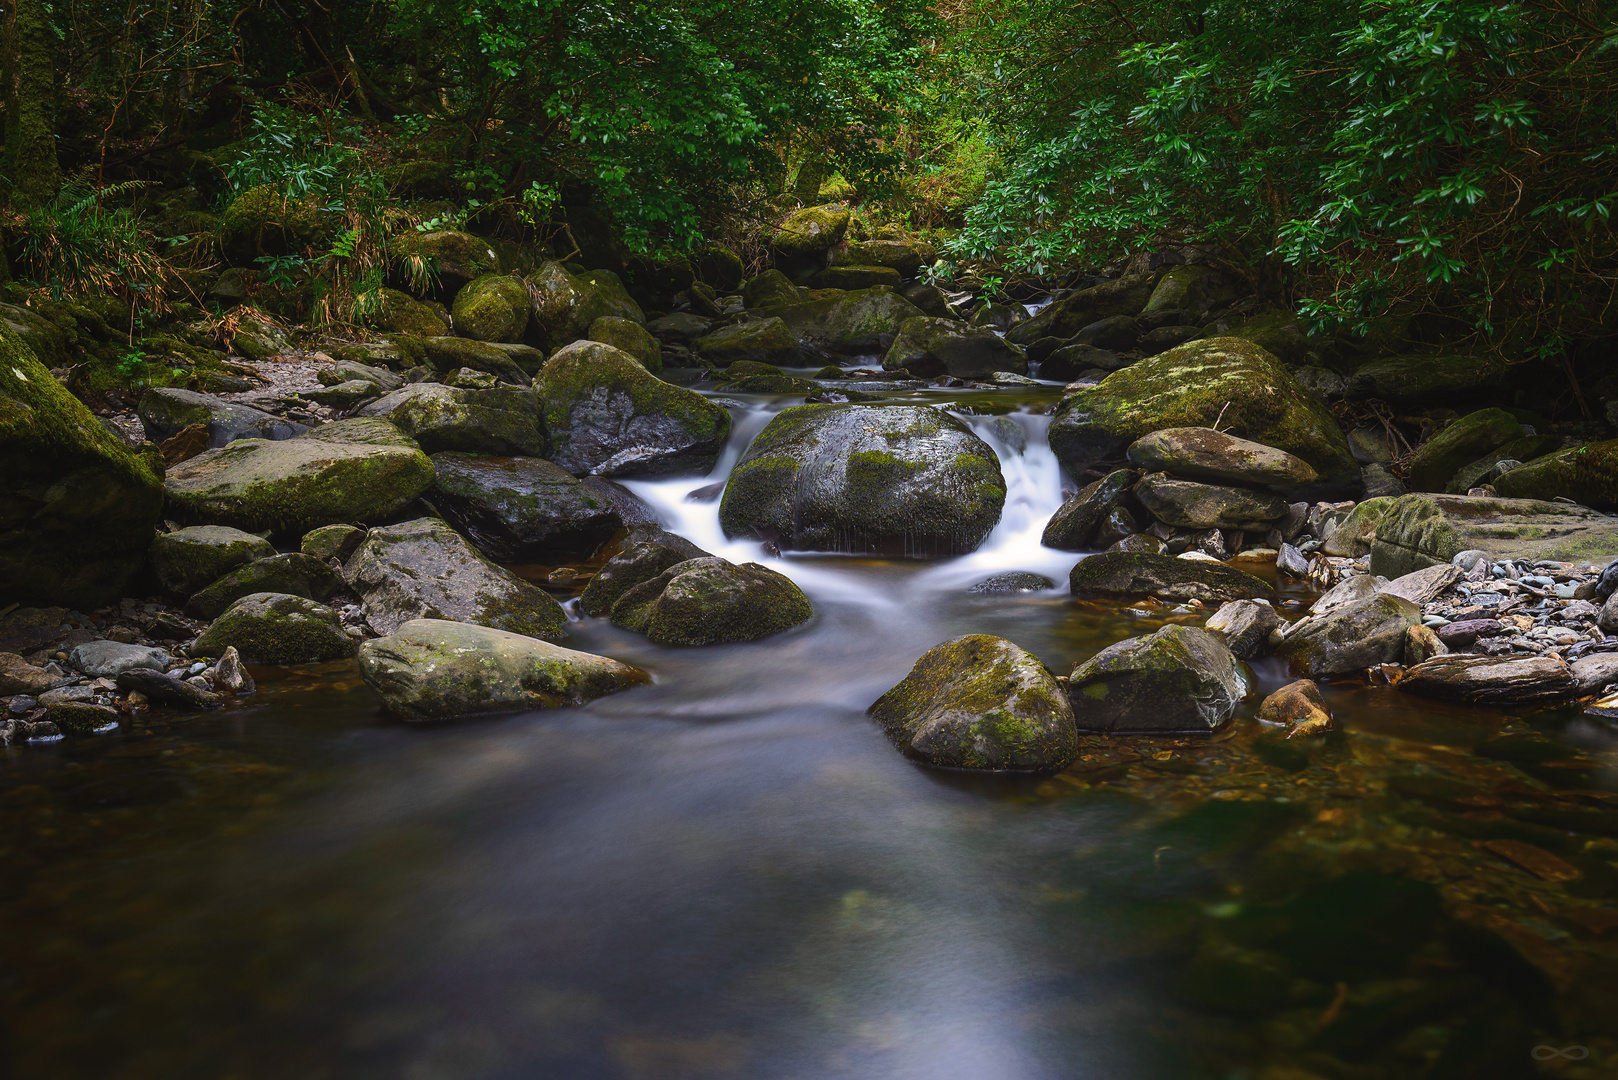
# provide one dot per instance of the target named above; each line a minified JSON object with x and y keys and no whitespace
{"x":710,"y":601}
{"x":430,"y":669}
{"x":902,"y":480}
{"x":926,"y":347}
{"x":1217,"y":458}
{"x":1073,"y":527}
{"x":296,"y":574}
{"x":295,"y":485}
{"x":424,"y":569}
{"x":161,"y":688}
{"x":277,"y":628}
{"x":187,"y":560}
{"x":1489,"y":680}
{"x":1189,"y":504}
{"x":764,"y":341}
{"x":491,"y":307}
{"x":502,"y":420}
{"x":980,"y":702}
{"x":1346,"y":641}
{"x":1177,"y":680}
{"x":104,"y":659}
{"x":645,"y":553}
{"x":1245,"y":626}
{"x":1300,"y":706}
{"x":609,"y":416}
{"x":522,"y":507}
{"x":1126,"y":574}
{"x":1420,"y":530}
{"x":166,"y":411}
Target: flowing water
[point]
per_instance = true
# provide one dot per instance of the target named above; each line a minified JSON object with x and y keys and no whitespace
{"x":730,"y":873}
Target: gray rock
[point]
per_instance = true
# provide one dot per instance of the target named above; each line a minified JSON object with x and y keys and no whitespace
{"x":331,"y":542}
{"x":927,"y":347}
{"x":1350,"y":639}
{"x":1607,"y":584}
{"x":644,"y":555}
{"x":297,"y":574}
{"x":505,"y":420}
{"x":1379,"y":483}
{"x":1212,"y":456}
{"x":163,"y":689}
{"x":516,"y":508}
{"x":1129,"y":574}
{"x":81,"y":717}
{"x":1595,"y":672}
{"x":1420,"y":530}
{"x":1291,"y":562}
{"x":1424,"y":586}
{"x":1467,"y":560}
{"x":1498,"y":681}
{"x":1354,"y":534}
{"x":1350,"y":590}
{"x":277,"y":628}
{"x":342,"y":371}
{"x":342,"y":396}
{"x":188,"y":559}
{"x":166,"y":411}
{"x":1073,"y":527}
{"x":1245,"y":626}
{"x":1179,"y":679}
{"x":370,"y":430}
{"x":680,"y":327}
{"x":104,"y":659}
{"x":1607,"y":618}
{"x":1188,"y":504}
{"x":18,"y":676}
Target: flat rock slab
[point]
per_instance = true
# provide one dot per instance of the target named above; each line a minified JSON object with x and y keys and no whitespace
{"x":1487,"y":680}
{"x":1211,"y":455}
{"x":1125,"y":574}
{"x":1418,"y":531}
{"x":1424,"y":586}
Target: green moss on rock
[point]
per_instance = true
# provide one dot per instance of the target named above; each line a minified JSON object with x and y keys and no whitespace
{"x":273,"y":628}
{"x":186,"y":560}
{"x":265,"y":221}
{"x":492,"y":307}
{"x":1586,"y":474}
{"x":709,"y":601}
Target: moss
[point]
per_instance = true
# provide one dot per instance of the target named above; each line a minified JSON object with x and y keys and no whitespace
{"x":630,"y":337}
{"x":189,"y":559}
{"x":30,"y":136}
{"x":1586,"y":474}
{"x":264,"y":221}
{"x":849,"y":320}
{"x":271,"y":628}
{"x":1444,"y":454}
{"x":492,"y":308}
{"x":811,"y":230}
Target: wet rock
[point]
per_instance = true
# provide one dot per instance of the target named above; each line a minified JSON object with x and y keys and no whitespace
{"x":297,"y":574}
{"x":1212,"y":456}
{"x":1424,"y":586}
{"x":1187,"y":504}
{"x":1460,"y":635}
{"x":229,"y":674}
{"x":1596,"y":672}
{"x":1016,"y":582}
{"x":81,"y":717}
{"x":1140,"y":543}
{"x":277,"y":628}
{"x":1588,"y":475}
{"x":166,"y":411}
{"x":931,"y":300}
{"x":1073,"y":527}
{"x":331,"y":542}
{"x":901,"y":480}
{"x":433,"y":669}
{"x":505,"y":420}
{"x":764,"y":341}
{"x":164,"y":689}
{"x":565,"y":305}
{"x":1245,"y":626}
{"x":1179,"y":679}
{"x":515,"y":508}
{"x":851,"y":322}
{"x":1422,"y":644}
{"x":104,"y":659}
{"x":644,"y":555}
{"x":1353,"y":536}
{"x":1463,"y":441}
{"x":1070,"y":361}
{"x":492,"y":307}
{"x":1498,"y":681}
{"x":1290,"y":562}
{"x":424,"y":569}
{"x":1418,"y":531}
{"x":927,"y":347}
{"x":629,"y":336}
{"x":631,"y":508}
{"x":18,"y":676}
{"x":609,"y":416}
{"x":1351,"y":638}
{"x":296,"y":485}
{"x":1066,"y":317}
{"x":1300,"y":706}
{"x":1124,"y":574}
{"x":189,"y":559}
{"x":709,"y":601}
{"x":1118,"y":524}
{"x":856,"y":277}
{"x":979,"y":702}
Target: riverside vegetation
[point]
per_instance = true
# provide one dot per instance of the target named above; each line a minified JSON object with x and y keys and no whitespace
{"x":1091,"y":430}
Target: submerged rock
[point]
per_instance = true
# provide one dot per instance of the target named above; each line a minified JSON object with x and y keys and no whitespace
{"x":709,"y":601}
{"x":431,"y":669}
{"x":1016,"y":582}
{"x":980,"y":702}
{"x":1490,"y":680}
{"x":1351,"y":638}
{"x":513,"y":508}
{"x":1120,"y":573}
{"x":277,"y":628}
{"x":189,"y":559}
{"x":1179,"y":679}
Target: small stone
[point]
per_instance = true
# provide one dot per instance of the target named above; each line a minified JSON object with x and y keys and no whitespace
{"x":230,"y":675}
{"x":1291,"y":562}
{"x":81,"y":717}
{"x":165,"y":689}
{"x":1422,"y":644}
{"x":1300,"y":705}
{"x":1245,"y":626}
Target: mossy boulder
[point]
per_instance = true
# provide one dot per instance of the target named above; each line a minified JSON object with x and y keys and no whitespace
{"x":1424,"y":379}
{"x":1500,"y":460}
{"x":1191,"y":288}
{"x":645,"y":553}
{"x":296,"y":574}
{"x":1436,"y":462}
{"x":565,"y":305}
{"x":1344,"y":642}
{"x":1067,"y":316}
{"x":295,"y":485}
{"x":449,"y":354}
{"x":1283,"y":336}
{"x":424,"y":569}
{"x":77,"y":509}
{"x":771,"y":289}
{"x":709,"y":601}
{"x":809,"y":232}
{"x":927,"y":346}
{"x":431,"y":669}
{"x":369,"y":430}
{"x":493,"y":307}
{"x":1418,"y":531}
{"x":1073,"y":526}
{"x":186,"y":560}
{"x":766,"y":341}
{"x":1223,"y":382}
{"x":48,"y":341}
{"x":167,"y":411}
{"x":1352,"y":538}
{"x":904,"y":257}
{"x":504,"y":420}
{"x":277,"y":628}
{"x":902,"y":480}
{"x":854,"y":322}
{"x":331,"y":542}
{"x":516,"y":508}
{"x":855,"y":277}
{"x":1126,"y":574}
{"x":608,"y":416}
{"x":1178,"y":680}
{"x":629,"y":336}
{"x":720,"y":267}
{"x":400,"y":313}
{"x":1586,"y":474}
{"x":451,"y":257}
{"x":265,"y":221}
{"x":980,"y":702}
{"x":1191,"y":504}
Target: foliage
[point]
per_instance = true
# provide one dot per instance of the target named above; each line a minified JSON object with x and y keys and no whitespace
{"x":77,"y":243}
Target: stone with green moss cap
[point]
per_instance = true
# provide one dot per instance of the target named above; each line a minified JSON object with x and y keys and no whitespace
{"x":764,"y":341}
{"x":1178,"y":680}
{"x":903,"y":256}
{"x":1586,"y":474}
{"x":565,"y":305}
{"x":265,"y":221}
{"x":277,"y":628}
{"x":856,"y":321}
{"x":608,"y":416}
{"x":1067,"y":316}
{"x":1197,"y":289}
{"x":370,"y":430}
{"x":504,"y":420}
{"x":1125,"y":573}
{"x":771,"y":289}
{"x":629,"y":336}
{"x":520,"y":507}
{"x":448,"y":354}
{"x":296,"y":574}
{"x":493,"y":307}
{"x":1226,"y":383}
{"x":447,"y":256}
{"x":1436,"y":461}
{"x":400,"y":313}
{"x":645,"y":553}
{"x":903,"y":480}
{"x":710,"y":601}
{"x":927,"y":346}
{"x":1425,"y":379}
{"x":77,"y":509}
{"x":167,"y":411}
{"x":432,"y":669}
{"x":189,"y":559}
{"x":1418,"y":531}
{"x":980,"y":702}
{"x":811,"y":231}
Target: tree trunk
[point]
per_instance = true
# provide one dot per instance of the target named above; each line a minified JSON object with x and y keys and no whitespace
{"x":30,"y":74}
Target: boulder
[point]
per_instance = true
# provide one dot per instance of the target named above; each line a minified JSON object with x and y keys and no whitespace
{"x":450,"y":356}
{"x":1463,"y":441}
{"x":188,"y":559}
{"x":855,"y":277}
{"x":1212,"y":456}
{"x":609,"y":416}
{"x":104,"y":659}
{"x":1353,"y":537}
{"x":720,"y":267}
{"x":1407,"y":381}
{"x":1587,"y":474}
{"x":1348,"y":591}
{"x":451,"y":257}
{"x":520,"y":508}
{"x":77,"y":509}
{"x":1069,"y":361}
{"x":295,"y":485}
{"x":400,"y":313}
{"x":1178,"y":680}
{"x":296,"y":574}
{"x":806,"y":235}
{"x":929,"y":346}
{"x":980,"y":702}
{"x":765,"y":341}
{"x":645,"y":553}
{"x":1300,"y":706}
{"x":1354,"y":637}
{"x":1283,"y":336}
{"x":1067,"y":316}
{"x":1418,"y":531}
{"x":1245,"y":626}
{"x":165,"y":412}
{"x":331,"y":542}
{"x":1193,"y":289}
{"x":850,"y":322}
{"x":277,"y":628}
{"x":1596,"y":672}
{"x":1073,"y":527}
{"x":504,"y":420}
{"x":1422,"y":644}
{"x":342,"y":396}
{"x":81,"y":717}
{"x":18,"y":676}
{"x":1188,"y":504}
{"x":424,"y":569}
{"x":1224,"y":382}
{"x":771,"y":289}
{"x":492,"y":307}
{"x":629,"y":336}
{"x":1018,"y":581}
{"x":1502,"y":459}
{"x":47,"y":340}
{"x":265,"y":221}
{"x":370,"y":430}
{"x":566,"y":305}
{"x":431,"y":669}
{"x":1424,"y":586}
{"x":902,"y":256}
{"x":709,"y":601}
{"x":1125,"y":574}
{"x":1116,"y":333}
{"x":931,"y":300}
{"x":1490,"y":680}
{"x":904,"y":480}
{"x":680,"y":327}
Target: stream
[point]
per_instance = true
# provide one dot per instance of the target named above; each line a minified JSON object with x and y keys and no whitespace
{"x":731,"y":872}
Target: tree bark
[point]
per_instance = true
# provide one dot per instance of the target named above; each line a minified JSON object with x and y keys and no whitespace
{"x":30,"y":74}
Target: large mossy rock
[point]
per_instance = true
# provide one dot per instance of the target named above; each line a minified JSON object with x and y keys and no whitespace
{"x":810,"y":232}
{"x":1067,"y":316}
{"x":646,"y":552}
{"x":1347,"y":640}
{"x":927,"y":347}
{"x":720,"y":267}
{"x":1126,"y":574}
{"x":771,"y":289}
{"x":167,"y":411}
{"x":447,"y":355}
{"x":1206,"y":454}
{"x":1586,"y":474}
{"x":1418,"y":531}
{"x":295,"y":485}
{"x":565,"y":305}
{"x":1464,"y":441}
{"x":763,"y":341}
{"x":1191,"y":288}
{"x":502,"y":420}
{"x":400,"y":313}
{"x":1178,"y":680}
{"x":452,"y":258}
{"x":904,"y":256}
{"x":709,"y":601}
{"x":850,"y":322}
{"x":516,"y":508}
{"x":1219,"y":382}
{"x":186,"y":560}
{"x":903,"y":480}
{"x":277,"y":628}
{"x":980,"y":702}
{"x":629,"y":336}
{"x":296,"y":574}
{"x":608,"y":416}
{"x":264,"y":221}
{"x":77,"y":509}
{"x":493,"y":307}
{"x":1073,"y":526}
{"x":431,"y":669}
{"x":1189,"y":504}
{"x":1422,"y":379}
